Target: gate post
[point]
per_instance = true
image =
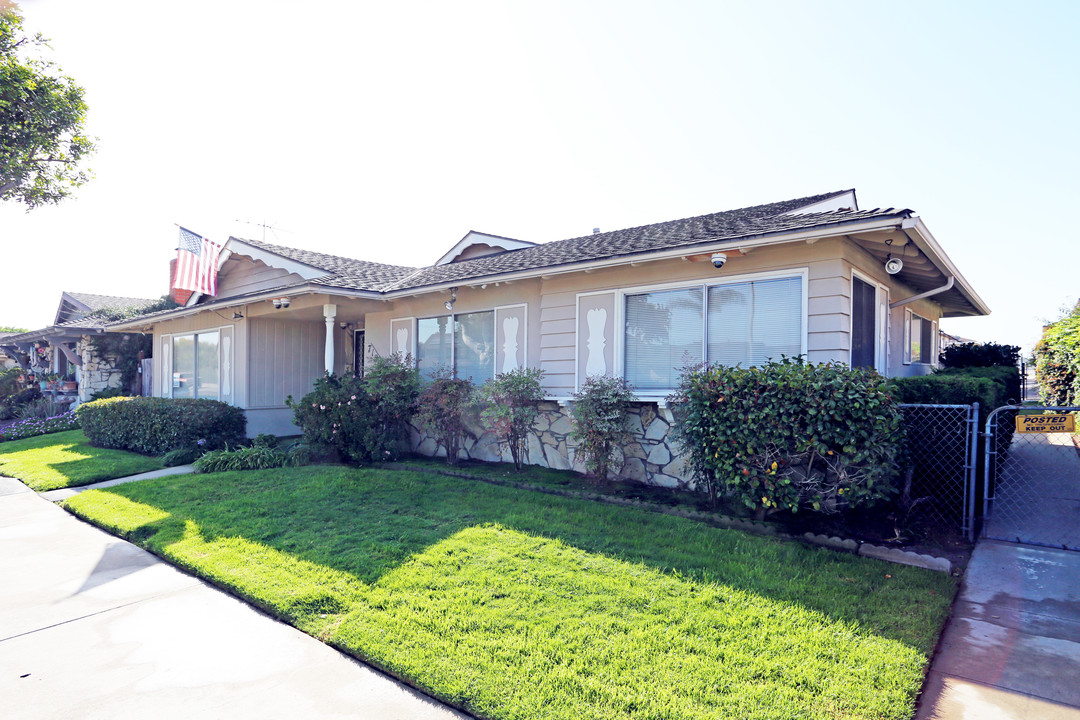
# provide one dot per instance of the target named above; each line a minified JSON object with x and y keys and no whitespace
{"x":971,"y":470}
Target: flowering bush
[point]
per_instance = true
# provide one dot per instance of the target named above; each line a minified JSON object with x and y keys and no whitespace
{"x":511,"y":406}
{"x":600,"y":412}
{"x":361,"y":419}
{"x":789,"y":434}
{"x":40,"y":426}
{"x":443,"y":404}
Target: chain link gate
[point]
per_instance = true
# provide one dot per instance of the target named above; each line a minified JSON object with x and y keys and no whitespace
{"x":1032,"y":482}
{"x":942,"y":446}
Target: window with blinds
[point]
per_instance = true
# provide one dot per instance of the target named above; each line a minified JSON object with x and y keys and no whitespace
{"x":737,"y":323}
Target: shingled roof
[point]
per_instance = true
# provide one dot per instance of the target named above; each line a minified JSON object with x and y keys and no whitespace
{"x":341,"y":271}
{"x":691,"y":235}
{"x":730,"y":225}
{"x":100,"y":302}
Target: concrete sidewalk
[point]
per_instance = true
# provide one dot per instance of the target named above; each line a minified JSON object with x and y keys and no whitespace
{"x":1011,"y":649}
{"x":93,"y":627}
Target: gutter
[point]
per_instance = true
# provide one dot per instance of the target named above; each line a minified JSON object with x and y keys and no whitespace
{"x":928,"y":293}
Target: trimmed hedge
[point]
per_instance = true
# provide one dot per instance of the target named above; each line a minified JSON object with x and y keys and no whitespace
{"x":790,"y":434}
{"x":950,"y":389}
{"x":153,"y":426}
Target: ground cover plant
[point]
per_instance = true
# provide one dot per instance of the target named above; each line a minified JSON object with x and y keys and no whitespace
{"x":516,"y":604}
{"x":66,"y":459}
{"x":34,"y":426}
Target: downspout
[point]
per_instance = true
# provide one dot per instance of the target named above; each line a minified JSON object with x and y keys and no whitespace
{"x":947,"y":286}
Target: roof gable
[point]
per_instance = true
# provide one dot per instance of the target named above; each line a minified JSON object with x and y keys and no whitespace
{"x":477,"y":244}
{"x":76,"y":306}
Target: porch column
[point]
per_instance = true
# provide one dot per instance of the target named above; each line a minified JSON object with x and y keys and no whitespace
{"x":329,"y":313}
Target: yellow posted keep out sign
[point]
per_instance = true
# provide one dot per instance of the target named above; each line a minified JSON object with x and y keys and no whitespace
{"x":1045,"y":423}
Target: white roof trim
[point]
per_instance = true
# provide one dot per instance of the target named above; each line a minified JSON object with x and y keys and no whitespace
{"x":308,"y":272}
{"x":840,"y":201}
{"x":475,"y":238}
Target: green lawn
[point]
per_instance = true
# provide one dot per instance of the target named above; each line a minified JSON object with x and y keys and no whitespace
{"x":66,"y":459}
{"x":516,"y":604}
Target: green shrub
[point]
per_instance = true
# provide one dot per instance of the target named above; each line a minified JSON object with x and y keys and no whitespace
{"x":109,"y":393}
{"x":443,"y":405}
{"x":964,"y":355}
{"x":393,"y":386}
{"x":1007,"y":376}
{"x":336,"y":415}
{"x":511,"y":404}
{"x":153,"y":426}
{"x":11,"y":404}
{"x":43,"y":407}
{"x":600,"y":411}
{"x":790,"y":434}
{"x":360,"y":420}
{"x":181,"y":456}
{"x":9,"y":381}
{"x":254,"y":457}
{"x":1057,"y":361}
{"x":949,"y":389}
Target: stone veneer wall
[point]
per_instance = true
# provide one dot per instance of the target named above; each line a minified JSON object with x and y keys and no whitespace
{"x":96,"y":373}
{"x":649,"y":457}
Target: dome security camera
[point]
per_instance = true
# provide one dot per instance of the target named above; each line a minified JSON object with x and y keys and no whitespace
{"x":718,"y":260}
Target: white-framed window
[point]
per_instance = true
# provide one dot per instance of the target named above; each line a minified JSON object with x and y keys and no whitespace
{"x":196,"y":371}
{"x":741,"y":321}
{"x":464,"y":342}
{"x":918,"y":339}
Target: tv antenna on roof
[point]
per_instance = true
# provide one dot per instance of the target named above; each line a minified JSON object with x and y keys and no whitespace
{"x":264,"y":226}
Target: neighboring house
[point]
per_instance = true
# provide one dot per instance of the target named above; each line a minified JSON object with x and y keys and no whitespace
{"x":946,"y":340}
{"x":7,"y":359}
{"x":801,"y":277}
{"x":65,"y":346}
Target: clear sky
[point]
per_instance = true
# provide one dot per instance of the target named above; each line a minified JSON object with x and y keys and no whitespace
{"x":387,"y":130}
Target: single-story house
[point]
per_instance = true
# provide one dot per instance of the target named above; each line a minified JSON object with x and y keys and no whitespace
{"x":65,"y":347}
{"x":815,"y":276}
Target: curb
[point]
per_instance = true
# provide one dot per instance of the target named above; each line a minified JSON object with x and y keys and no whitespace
{"x":877,"y":552}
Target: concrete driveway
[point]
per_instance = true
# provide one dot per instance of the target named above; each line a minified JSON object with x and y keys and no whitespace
{"x":93,"y":627}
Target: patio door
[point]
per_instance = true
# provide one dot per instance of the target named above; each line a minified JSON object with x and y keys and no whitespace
{"x":869,"y":320}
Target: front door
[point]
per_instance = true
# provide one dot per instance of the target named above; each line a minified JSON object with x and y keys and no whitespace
{"x":358,"y":353}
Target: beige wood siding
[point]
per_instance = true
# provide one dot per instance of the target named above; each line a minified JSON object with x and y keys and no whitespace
{"x":558,"y":313}
{"x":284,"y":358}
{"x":240,"y":275}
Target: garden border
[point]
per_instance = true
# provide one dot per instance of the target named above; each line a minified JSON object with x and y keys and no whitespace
{"x":856,"y":547}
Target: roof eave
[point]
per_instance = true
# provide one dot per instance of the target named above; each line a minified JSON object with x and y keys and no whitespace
{"x":139,"y":324}
{"x":916,"y":229}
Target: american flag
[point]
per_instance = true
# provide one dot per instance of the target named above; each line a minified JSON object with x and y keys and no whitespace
{"x":196,"y":263}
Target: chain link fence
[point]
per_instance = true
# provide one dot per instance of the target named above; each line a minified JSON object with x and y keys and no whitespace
{"x":1032,"y":490}
{"x":939,"y":488}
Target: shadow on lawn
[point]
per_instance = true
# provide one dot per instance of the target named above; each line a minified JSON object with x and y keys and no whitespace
{"x":366,"y":523}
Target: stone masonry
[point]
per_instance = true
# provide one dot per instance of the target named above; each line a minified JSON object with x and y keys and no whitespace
{"x":96,"y":373}
{"x":649,"y":457}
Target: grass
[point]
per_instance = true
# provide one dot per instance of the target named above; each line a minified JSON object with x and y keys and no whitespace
{"x":514,"y":604}
{"x":66,"y":459}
